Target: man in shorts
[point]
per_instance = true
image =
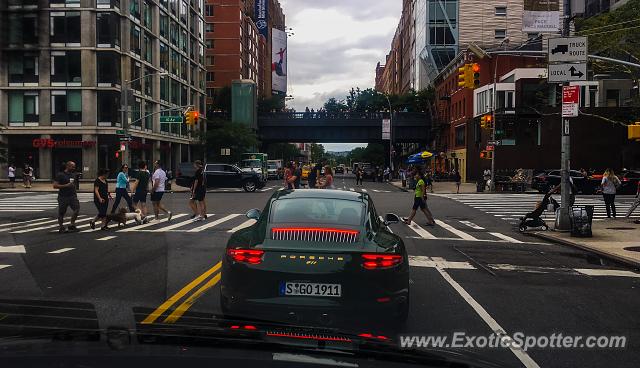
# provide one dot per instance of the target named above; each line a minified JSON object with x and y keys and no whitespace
{"x":158,"y":180}
{"x":420,"y":201}
{"x":198,"y":192}
{"x":67,"y":197}
{"x":142,"y":189}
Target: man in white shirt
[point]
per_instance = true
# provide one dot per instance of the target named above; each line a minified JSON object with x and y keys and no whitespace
{"x":158,"y":180}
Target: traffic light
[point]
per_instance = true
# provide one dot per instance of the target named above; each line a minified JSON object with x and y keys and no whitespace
{"x":192,"y":117}
{"x":486,"y":155}
{"x":475,"y":69}
{"x":633,"y":131}
{"x":486,"y":121}
{"x":465,"y":75}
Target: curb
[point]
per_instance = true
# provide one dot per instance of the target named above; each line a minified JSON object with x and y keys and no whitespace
{"x":397,"y":187}
{"x":631,"y":262}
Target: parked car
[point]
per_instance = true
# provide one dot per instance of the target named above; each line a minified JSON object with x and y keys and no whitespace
{"x":339,"y":170}
{"x":629,"y":179}
{"x":544,"y":181}
{"x":231,"y":176}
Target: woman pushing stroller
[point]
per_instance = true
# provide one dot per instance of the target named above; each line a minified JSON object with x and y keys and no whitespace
{"x":533,"y":219}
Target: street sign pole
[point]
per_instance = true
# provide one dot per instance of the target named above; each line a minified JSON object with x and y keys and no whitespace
{"x":126,"y":156}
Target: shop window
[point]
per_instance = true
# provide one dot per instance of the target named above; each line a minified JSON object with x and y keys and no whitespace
{"x":147,"y":48}
{"x":108,"y":108}
{"x":135,"y":40}
{"x":66,"y":68}
{"x":23,"y":29}
{"x":65,"y":28}
{"x":108,"y":67}
{"x":23,"y":68}
{"x":107,"y":30}
{"x":147,"y":16}
{"x":23,"y":107}
{"x":66,"y":106}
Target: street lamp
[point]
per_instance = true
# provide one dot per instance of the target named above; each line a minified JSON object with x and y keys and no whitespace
{"x":125,"y":105}
{"x":492,"y":187}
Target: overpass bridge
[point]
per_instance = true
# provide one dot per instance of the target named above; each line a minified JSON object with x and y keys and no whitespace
{"x":345,"y":127}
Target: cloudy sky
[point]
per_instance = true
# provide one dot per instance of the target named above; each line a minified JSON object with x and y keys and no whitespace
{"x":335,"y":46}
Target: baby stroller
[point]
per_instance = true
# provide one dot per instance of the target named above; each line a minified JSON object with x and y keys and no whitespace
{"x":533,"y":219}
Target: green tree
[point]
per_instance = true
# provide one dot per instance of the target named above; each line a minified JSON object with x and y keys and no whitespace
{"x":317,"y":152}
{"x":332,"y":105}
{"x":274,"y":103}
{"x":373,"y":153}
{"x":237,"y":137}
{"x":283,"y":151}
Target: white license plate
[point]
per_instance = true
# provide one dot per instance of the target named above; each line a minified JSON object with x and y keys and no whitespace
{"x":312,"y":289}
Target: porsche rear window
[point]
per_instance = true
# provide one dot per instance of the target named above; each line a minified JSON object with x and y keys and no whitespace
{"x":318,"y":211}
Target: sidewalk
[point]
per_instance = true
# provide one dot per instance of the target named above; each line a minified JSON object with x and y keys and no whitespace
{"x":85,"y":187}
{"x":442,"y":187}
{"x":612,"y":239}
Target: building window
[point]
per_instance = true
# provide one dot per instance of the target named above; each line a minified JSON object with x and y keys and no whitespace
{"x":164,"y":88}
{"x":134,"y":8}
{"x":174,"y":33}
{"x":23,"y":107}
{"x":66,"y":68}
{"x":107,"y":29}
{"x":184,"y":68}
{"x":164,"y":56}
{"x":208,"y":10}
{"x":209,"y":27}
{"x":184,"y":40}
{"x":164,"y":3}
{"x":65,"y":28}
{"x":148,"y":83}
{"x":184,"y":12}
{"x":460,"y":141}
{"x":175,"y":62}
{"x":173,"y":6}
{"x":501,"y":11}
{"x":108,"y":67}
{"x":500,"y":33}
{"x":211,"y":76}
{"x":175,"y":93}
{"x":147,"y":48}
{"x":164,"y":25}
{"x":136,"y":82}
{"x":23,"y":29}
{"x":107,"y":4}
{"x":147,"y":16}
{"x":211,"y":92}
{"x":23,"y":68}
{"x":66,"y":106}
{"x":211,"y":60}
{"x":148,"y":118}
{"x":134,"y":37}
{"x":68,"y":3}
{"x":108,"y":107}
{"x":210,"y":43}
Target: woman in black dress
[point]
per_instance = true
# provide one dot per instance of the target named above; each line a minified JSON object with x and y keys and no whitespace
{"x":101,"y":198}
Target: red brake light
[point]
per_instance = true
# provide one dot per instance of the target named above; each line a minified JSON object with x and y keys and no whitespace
{"x":250,"y":256}
{"x":625,"y":179}
{"x":380,"y":261}
{"x":372,"y":336}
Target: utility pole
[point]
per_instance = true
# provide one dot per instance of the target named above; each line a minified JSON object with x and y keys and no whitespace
{"x":126,"y":156}
{"x":563,"y":222}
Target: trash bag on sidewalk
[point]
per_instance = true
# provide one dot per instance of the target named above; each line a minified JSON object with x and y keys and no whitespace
{"x":581,"y":219}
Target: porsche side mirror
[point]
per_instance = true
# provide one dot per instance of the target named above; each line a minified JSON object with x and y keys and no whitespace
{"x":391,"y":218}
{"x":253,"y":214}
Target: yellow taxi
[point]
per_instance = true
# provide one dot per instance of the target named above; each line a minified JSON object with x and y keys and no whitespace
{"x":306,"y":170}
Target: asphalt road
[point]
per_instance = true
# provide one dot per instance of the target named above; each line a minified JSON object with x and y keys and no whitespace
{"x":472,"y":273}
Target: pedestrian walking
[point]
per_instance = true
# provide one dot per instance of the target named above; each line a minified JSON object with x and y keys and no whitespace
{"x":296,"y":174}
{"x":158,"y":180}
{"x":27,"y":176}
{"x":487,"y":177}
{"x":122,"y":182}
{"x":315,"y":173}
{"x":387,"y":174}
{"x":609,"y":184}
{"x":11,"y":174}
{"x":141,"y":189}
{"x":67,"y":197}
{"x":359,"y":174}
{"x":101,"y":199}
{"x":198,"y":192}
{"x":288,"y":172}
{"x":428,"y":180}
{"x":420,"y":201}
{"x":403,"y":177}
{"x":636,"y":203}
{"x":327,"y":183}
{"x":458,"y":180}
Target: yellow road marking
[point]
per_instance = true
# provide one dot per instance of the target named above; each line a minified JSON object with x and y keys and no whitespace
{"x":164,"y":306}
{"x":192,"y":299}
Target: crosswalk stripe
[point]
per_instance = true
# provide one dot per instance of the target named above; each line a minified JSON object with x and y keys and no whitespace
{"x":23,"y":226}
{"x":352,"y":189}
{"x":149,"y":224}
{"x":179,"y":224}
{"x":107,"y":238}
{"x":364,"y":190}
{"x":472,"y":225}
{"x":11,"y":224}
{"x":28,"y":230}
{"x":505,"y":237}
{"x":453,"y":230}
{"x":61,"y":250}
{"x":22,"y":210}
{"x":242,"y":226}
{"x":214,"y":223}
{"x":420,"y":231}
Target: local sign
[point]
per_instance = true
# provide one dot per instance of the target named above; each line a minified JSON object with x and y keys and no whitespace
{"x":559,"y":73}
{"x":570,"y":101}
{"x":567,"y":49}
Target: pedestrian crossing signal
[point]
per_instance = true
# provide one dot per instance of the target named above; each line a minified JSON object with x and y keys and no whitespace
{"x":633,"y":131}
{"x":486,"y":155}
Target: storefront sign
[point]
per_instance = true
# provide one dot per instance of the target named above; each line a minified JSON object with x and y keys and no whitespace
{"x":52,"y":143}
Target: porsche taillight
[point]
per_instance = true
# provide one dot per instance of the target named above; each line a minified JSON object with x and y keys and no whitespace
{"x":250,"y":256}
{"x":380,"y":261}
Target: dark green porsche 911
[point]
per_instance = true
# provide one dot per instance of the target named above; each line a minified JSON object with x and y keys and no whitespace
{"x":319,"y":257}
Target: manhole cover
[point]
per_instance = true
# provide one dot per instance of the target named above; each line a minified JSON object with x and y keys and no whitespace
{"x":632,"y":249}
{"x":621,"y":228}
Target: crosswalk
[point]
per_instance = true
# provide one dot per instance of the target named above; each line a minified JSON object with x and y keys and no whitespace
{"x":510,"y":207}
{"x":35,"y":202}
{"x":452,"y":230}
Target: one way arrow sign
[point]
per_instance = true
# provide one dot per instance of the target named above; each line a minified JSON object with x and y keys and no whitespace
{"x":559,"y":73}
